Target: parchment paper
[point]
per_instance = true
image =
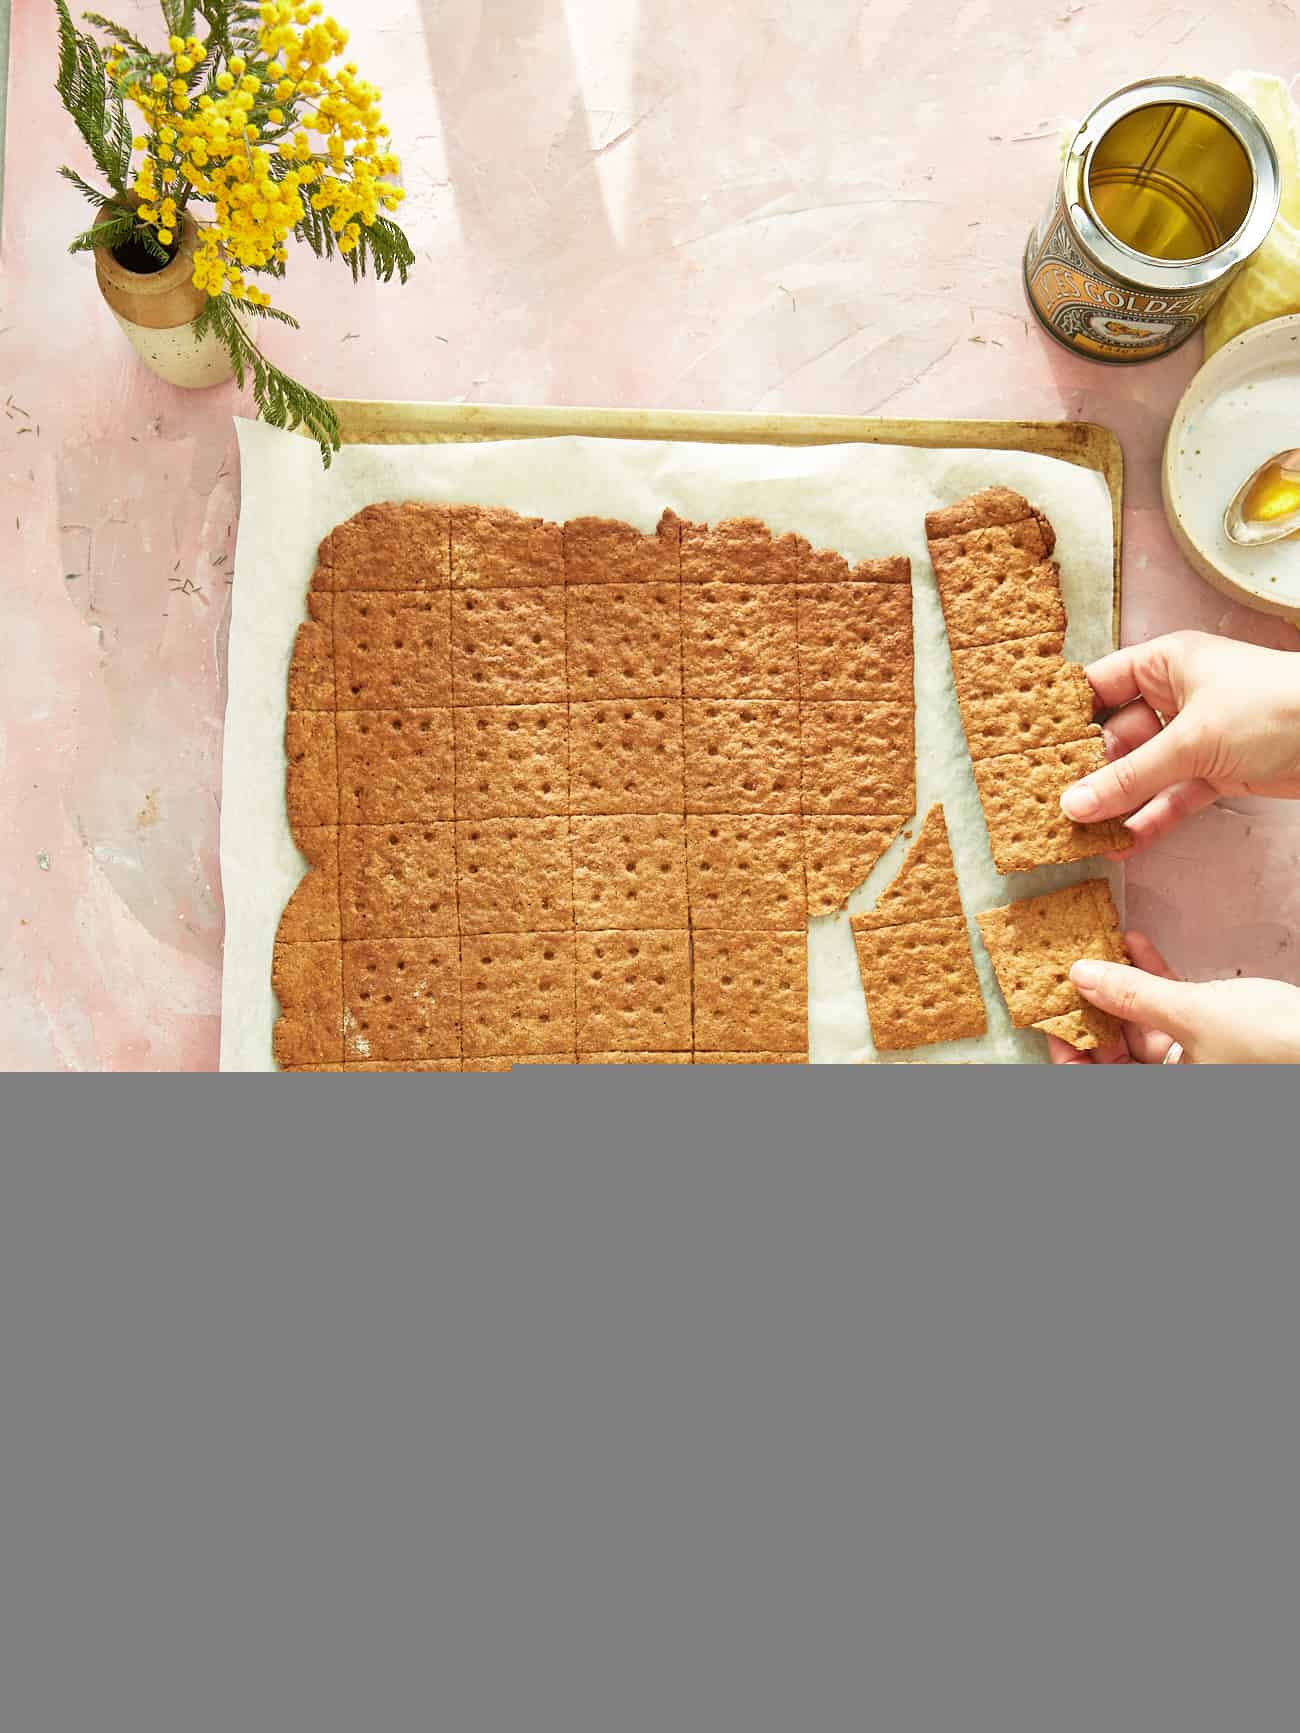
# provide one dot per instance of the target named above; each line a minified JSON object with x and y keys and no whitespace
{"x":864,"y":501}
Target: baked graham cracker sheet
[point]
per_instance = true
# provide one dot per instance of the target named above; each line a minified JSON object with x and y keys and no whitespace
{"x":535,"y":754}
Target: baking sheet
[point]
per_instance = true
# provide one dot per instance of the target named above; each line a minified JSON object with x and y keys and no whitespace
{"x":864,"y":501}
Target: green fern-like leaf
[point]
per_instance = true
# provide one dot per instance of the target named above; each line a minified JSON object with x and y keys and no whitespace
{"x":118,"y":34}
{"x":281,"y":401}
{"x":114,"y":232}
{"x":96,"y":108}
{"x":93,"y":194}
{"x":384,"y":250}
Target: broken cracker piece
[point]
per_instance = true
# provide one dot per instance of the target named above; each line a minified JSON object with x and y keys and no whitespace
{"x":492,"y":548}
{"x":990,"y":507}
{"x":1085,"y":1029}
{"x":1034,"y":943}
{"x":839,"y":854}
{"x":387,"y":547}
{"x":920,"y":983}
{"x":925,"y":886}
{"x":1021,"y":794}
{"x":601,"y":551}
{"x":740,"y":551}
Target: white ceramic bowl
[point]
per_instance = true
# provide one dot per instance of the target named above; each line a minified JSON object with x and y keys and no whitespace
{"x":1241,"y":408}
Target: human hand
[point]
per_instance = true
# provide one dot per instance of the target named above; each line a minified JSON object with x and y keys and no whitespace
{"x":1232,"y":726}
{"x":1215,"y":1022}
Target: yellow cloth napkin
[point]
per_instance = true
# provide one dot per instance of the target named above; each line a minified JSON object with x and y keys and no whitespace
{"x":1270,"y":285}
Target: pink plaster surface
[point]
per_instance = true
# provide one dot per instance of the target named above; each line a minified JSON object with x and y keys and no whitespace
{"x":679,"y":203}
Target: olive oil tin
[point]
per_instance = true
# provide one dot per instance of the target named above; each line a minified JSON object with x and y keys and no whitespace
{"x":1166,"y":191}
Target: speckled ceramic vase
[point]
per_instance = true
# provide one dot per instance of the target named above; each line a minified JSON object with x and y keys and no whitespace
{"x":157,"y":310}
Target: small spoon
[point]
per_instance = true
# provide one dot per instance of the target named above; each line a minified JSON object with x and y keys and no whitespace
{"x":1267,"y":506}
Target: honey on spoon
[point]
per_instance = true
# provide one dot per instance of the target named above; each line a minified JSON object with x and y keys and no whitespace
{"x":1267,"y":507}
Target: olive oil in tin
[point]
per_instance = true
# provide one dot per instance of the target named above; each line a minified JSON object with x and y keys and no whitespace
{"x":1167,"y":190}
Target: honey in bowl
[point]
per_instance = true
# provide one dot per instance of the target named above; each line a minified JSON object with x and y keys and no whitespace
{"x":1274,"y":494}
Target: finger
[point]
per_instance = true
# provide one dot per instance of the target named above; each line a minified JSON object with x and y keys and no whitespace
{"x":1151,"y":1001}
{"x":1061,"y":1053}
{"x":1116,"y":1054}
{"x":1146,"y":956}
{"x":1167,"y":811}
{"x":1139,"y":671}
{"x":1129,"y":782}
{"x":1130,"y":728}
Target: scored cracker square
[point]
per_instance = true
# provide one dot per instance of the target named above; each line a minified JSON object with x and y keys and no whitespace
{"x":393,"y":650}
{"x":312,"y":772}
{"x":387,"y":547}
{"x":602,"y":551}
{"x":746,"y":873}
{"x":839,"y":853}
{"x":398,"y":880}
{"x":512,"y":760}
{"x":492,"y":548}
{"x":920,"y":983}
{"x":625,"y":640}
{"x":739,"y":641}
{"x":855,"y":639}
{"x":998,"y":590}
{"x":508,"y":646}
{"x":991,"y":507}
{"x":634,"y":992}
{"x":629,"y":871}
{"x":308,"y":982}
{"x":751,"y":992}
{"x":1021,"y":795}
{"x":517,"y":993}
{"x":742,"y":755}
{"x":925,"y":886}
{"x":513,"y":875}
{"x":311,"y":665}
{"x":858,"y":758}
{"x":396,"y":765}
{"x":626,"y":756}
{"x":312,"y":912}
{"x":1019,"y":695}
{"x":1034,"y":943}
{"x":740,"y":551}
{"x":401,"y":998}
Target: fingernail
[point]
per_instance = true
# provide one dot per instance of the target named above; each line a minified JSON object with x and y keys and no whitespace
{"x":1086,"y":974}
{"x":1079,"y":802}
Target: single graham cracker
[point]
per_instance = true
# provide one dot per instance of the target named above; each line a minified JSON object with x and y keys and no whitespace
{"x":1034,"y":943}
{"x":508,"y":646}
{"x":629,"y":871}
{"x":839,"y":854}
{"x":739,"y":641}
{"x":395,"y":766}
{"x":392,"y":651}
{"x":746,"y":873}
{"x":991,"y":507}
{"x":742,"y":755}
{"x":401,"y":998}
{"x":634,"y":992}
{"x":311,"y":666}
{"x":625,"y":640}
{"x":602,"y":551}
{"x":387,"y":547}
{"x":1005,"y":604}
{"x":492,"y":548}
{"x":920,"y":983}
{"x":858,"y":758}
{"x":513,"y":875}
{"x":312,"y":771}
{"x":307,"y":979}
{"x":312,"y":912}
{"x":1019,"y":695}
{"x":512,"y":760}
{"x":751,"y":992}
{"x":855,"y":639}
{"x":398,"y":880}
{"x":626,"y":756}
{"x":925,"y":886}
{"x":1021,"y":794}
{"x":992,"y":556}
{"x":740,"y":551}
{"x":517,"y":993}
